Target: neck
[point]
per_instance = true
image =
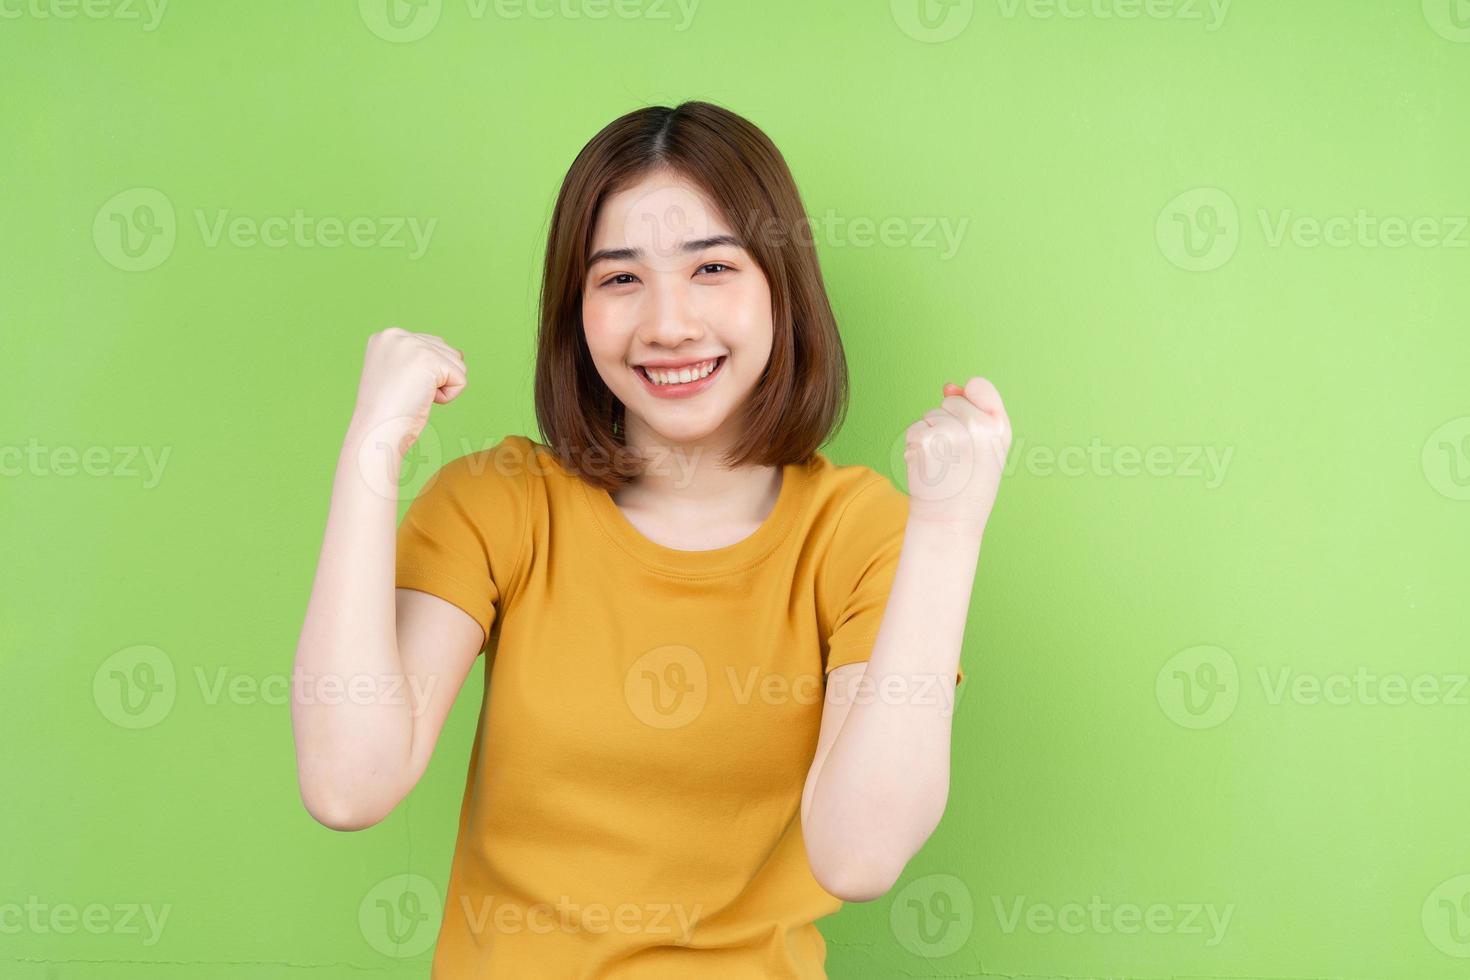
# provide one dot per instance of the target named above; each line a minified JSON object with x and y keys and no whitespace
{"x":691,"y":479}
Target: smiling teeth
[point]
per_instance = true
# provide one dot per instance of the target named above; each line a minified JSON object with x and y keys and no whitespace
{"x":682,"y":375}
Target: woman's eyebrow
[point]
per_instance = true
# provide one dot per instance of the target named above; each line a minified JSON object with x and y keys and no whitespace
{"x":636,"y":254}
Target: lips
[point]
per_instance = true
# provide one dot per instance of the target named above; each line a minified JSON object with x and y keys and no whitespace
{"x":680,"y":389}
{"x":674,"y":369}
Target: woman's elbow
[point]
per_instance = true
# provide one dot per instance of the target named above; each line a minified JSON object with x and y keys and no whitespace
{"x":855,"y":881}
{"x":337,"y":813}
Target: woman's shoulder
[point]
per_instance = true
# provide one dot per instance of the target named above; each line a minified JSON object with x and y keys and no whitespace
{"x":855,"y":492}
{"x":500,"y":475}
{"x":514,"y":458}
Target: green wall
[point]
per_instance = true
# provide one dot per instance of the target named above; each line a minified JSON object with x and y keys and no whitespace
{"x":1214,"y":257}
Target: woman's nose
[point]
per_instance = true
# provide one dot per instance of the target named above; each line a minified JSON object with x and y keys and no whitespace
{"x":670,"y":317}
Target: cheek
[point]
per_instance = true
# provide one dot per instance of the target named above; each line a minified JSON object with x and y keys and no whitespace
{"x":600,"y":330}
{"x":751,"y":317}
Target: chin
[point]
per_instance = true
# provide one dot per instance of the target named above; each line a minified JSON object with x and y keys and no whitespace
{"x":691,"y":433}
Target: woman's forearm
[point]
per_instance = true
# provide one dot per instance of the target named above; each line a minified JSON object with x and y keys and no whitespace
{"x":884,"y":783}
{"x":352,"y":723}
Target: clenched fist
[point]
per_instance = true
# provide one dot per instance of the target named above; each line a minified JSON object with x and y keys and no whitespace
{"x":403,"y":375}
{"x":956,"y":454}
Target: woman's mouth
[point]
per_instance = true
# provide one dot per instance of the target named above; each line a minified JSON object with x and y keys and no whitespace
{"x":668,"y":384}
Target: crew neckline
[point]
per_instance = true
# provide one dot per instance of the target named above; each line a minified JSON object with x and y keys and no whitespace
{"x":795,"y":483}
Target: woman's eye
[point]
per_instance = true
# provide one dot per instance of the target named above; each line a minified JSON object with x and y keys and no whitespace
{"x":623,"y":278}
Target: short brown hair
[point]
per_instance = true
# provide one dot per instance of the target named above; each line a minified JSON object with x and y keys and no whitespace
{"x":800,"y":399}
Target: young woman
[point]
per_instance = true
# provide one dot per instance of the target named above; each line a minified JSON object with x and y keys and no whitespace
{"x":721,"y":669}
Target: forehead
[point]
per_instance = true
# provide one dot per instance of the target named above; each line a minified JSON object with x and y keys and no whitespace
{"x":663,"y":207}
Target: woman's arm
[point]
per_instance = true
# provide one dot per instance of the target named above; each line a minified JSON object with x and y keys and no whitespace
{"x":377,"y":668}
{"x":880,"y":778}
{"x":879,"y":792}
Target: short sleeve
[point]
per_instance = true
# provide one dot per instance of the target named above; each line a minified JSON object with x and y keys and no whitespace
{"x":860,"y":569}
{"x":463,"y":536}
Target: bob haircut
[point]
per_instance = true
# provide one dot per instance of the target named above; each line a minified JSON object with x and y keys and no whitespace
{"x":800,"y":399}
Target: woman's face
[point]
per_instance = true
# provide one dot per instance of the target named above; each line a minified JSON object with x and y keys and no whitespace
{"x":670,"y":288}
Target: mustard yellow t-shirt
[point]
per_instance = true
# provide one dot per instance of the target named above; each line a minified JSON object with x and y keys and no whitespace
{"x":632,"y":808}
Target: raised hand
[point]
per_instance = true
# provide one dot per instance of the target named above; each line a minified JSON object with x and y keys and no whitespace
{"x":956,"y":454}
{"x":403,"y":375}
